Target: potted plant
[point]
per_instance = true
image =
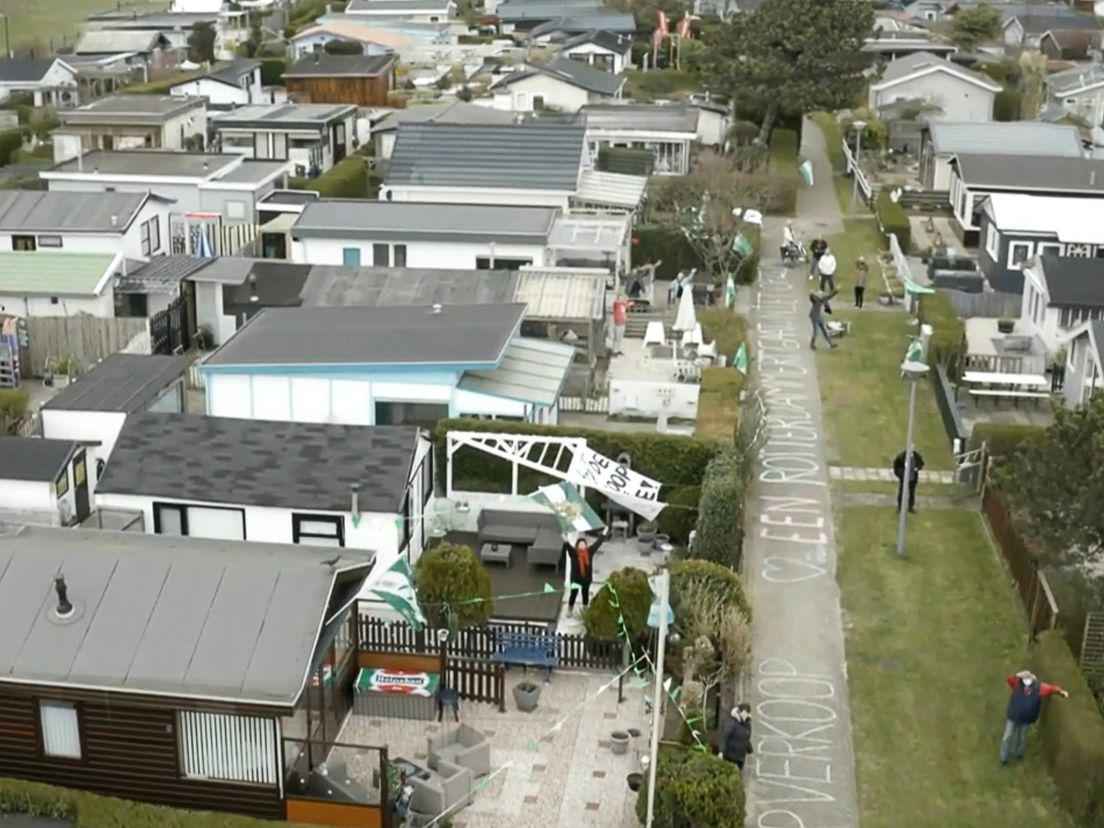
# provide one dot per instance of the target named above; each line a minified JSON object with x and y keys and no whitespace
{"x":61,"y":369}
{"x":645,"y":534}
{"x":619,"y":742}
{"x":526,"y":696}
{"x":1006,"y":325}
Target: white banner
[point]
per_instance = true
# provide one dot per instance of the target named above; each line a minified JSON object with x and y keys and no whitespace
{"x":622,"y":485}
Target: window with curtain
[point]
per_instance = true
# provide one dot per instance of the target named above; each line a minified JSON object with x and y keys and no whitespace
{"x":227,"y":748}
{"x":60,"y":729}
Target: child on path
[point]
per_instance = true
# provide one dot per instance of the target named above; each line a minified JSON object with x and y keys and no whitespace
{"x":862,"y":270}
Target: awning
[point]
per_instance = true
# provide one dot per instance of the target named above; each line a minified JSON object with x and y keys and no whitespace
{"x":281,"y":224}
{"x":612,"y":189}
{"x":593,"y":234}
{"x":562,"y":293}
{"x":532,"y":371}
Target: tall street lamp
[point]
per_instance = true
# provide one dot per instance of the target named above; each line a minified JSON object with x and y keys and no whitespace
{"x":858,"y":126}
{"x":913,"y":371}
{"x":661,"y":616}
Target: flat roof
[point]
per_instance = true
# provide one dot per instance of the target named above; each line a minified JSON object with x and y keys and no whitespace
{"x":54,"y":211}
{"x":1069,"y":219}
{"x":331,"y":66}
{"x":122,"y":383}
{"x":1032,"y":173}
{"x":282,"y":115}
{"x":281,"y":464}
{"x":532,"y":371}
{"x":413,"y":221}
{"x":1073,"y":281}
{"x":417,"y":335}
{"x":121,"y":108}
{"x":147,"y":162}
{"x":334,"y":286}
{"x":1006,"y":138}
{"x":253,"y":172}
{"x":179,"y":617}
{"x":562,"y":293}
{"x":33,"y":459}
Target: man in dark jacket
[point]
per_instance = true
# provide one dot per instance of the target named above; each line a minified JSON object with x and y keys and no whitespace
{"x":1024,"y":705}
{"x":914,"y":477}
{"x":735,"y":745}
{"x":816,"y":250}
{"x":818,"y":306}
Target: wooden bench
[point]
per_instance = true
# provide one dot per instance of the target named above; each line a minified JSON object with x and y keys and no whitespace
{"x":529,"y":649}
{"x":1015,"y":396}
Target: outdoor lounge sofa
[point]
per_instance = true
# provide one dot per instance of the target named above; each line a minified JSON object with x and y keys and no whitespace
{"x":451,"y":786}
{"x":462,"y":745}
{"x":539,"y":532}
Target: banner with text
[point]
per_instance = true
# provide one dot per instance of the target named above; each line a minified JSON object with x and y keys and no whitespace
{"x":620,"y":484}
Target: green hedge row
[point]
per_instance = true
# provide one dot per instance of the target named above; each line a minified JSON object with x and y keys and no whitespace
{"x":1002,"y":439}
{"x":160,"y":86}
{"x":11,"y":140}
{"x":272,"y":71}
{"x":948,"y":339}
{"x":784,"y":150}
{"x":1071,"y":731}
{"x":720,"y":536}
{"x":89,"y":810}
{"x":894,"y":219}
{"x":655,"y":242}
{"x":676,"y":461}
{"x":347,"y":179}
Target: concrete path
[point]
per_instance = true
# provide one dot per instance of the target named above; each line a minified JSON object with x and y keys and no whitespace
{"x":818,"y":209}
{"x":802,"y":772}
{"x":945,"y":478}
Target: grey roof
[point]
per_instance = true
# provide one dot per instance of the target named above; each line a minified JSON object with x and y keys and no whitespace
{"x":1074,"y":282}
{"x":115,"y":42}
{"x":328,"y":66}
{"x":582,"y":21}
{"x":570,"y":71}
{"x":289,"y":197}
{"x":225,"y":270}
{"x":607,"y":40}
{"x":1039,"y":23}
{"x":117,"y":109}
{"x":533,"y":156}
{"x":253,"y":172}
{"x":122,"y":383}
{"x":414,"y":221}
{"x":365,"y":8}
{"x":1073,"y":80}
{"x":909,"y":65}
{"x":173,"y":616}
{"x":420,"y":335}
{"x":532,"y":371}
{"x":272,"y":115}
{"x":147,"y":162}
{"x":1010,"y":10}
{"x":25,"y":70}
{"x":160,"y":275}
{"x":331,"y":286}
{"x":453,"y":112}
{"x":1015,"y":137}
{"x":46,"y":210}
{"x":33,"y":458}
{"x":273,"y":283}
{"x":644,"y":117}
{"x":233,"y":71}
{"x":261,"y":463}
{"x":1026,"y":173}
{"x":513,"y":11}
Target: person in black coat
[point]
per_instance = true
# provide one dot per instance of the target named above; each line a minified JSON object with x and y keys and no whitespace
{"x":914,"y":477}
{"x":735,"y":743}
{"x":580,"y":556}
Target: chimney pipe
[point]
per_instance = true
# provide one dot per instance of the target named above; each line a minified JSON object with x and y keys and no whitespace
{"x":64,"y":608}
{"x":355,"y":498}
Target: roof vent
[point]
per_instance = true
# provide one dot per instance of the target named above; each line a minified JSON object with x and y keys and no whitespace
{"x":64,"y":607}
{"x":354,"y":497}
{"x":114,"y":221}
{"x":437,"y":307}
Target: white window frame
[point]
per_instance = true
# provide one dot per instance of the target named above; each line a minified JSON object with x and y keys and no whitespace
{"x":221,"y":747}
{"x":1012,"y":247}
{"x":316,"y":530}
{"x":59,"y":726}
{"x":1049,"y":247}
{"x":992,"y":241}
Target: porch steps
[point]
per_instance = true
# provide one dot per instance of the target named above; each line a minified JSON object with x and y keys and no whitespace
{"x":638,"y":321}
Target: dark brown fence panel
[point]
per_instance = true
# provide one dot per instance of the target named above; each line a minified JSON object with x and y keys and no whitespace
{"x":477,"y":679}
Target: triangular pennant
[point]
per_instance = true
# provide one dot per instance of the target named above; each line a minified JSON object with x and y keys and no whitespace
{"x":549,"y":588}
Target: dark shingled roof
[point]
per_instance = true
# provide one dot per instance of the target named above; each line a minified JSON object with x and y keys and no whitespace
{"x":122,"y":382}
{"x":570,"y":71}
{"x":33,"y":458}
{"x":15,"y":70}
{"x":606,"y":40}
{"x":1074,"y":282}
{"x":261,"y":463}
{"x":529,"y":156}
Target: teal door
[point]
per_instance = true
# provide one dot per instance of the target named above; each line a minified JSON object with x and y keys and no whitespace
{"x":350,"y":256}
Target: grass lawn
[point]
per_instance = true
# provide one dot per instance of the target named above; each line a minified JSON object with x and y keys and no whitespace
{"x":34,"y":24}
{"x":931,"y":639}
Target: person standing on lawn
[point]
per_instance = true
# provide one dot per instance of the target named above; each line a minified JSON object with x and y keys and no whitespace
{"x":735,"y":744}
{"x":1024,"y":706}
{"x":817,"y":249}
{"x":915,"y":466}
{"x":862,"y":270}
{"x":580,"y":556}
{"x":818,"y":303}
{"x":827,"y":270}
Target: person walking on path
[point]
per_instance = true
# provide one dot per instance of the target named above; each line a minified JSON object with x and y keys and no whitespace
{"x":818,"y":303}
{"x":1024,"y":706}
{"x":735,"y":743}
{"x":621,"y":307}
{"x":827,"y":270}
{"x":580,"y":556}
{"x":817,"y":249}
{"x":914,"y":477}
{"x":862,"y":270}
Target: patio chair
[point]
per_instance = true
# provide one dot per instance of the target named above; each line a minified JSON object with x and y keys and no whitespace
{"x":449,"y":787}
{"x":654,"y":335}
{"x":464,"y":746}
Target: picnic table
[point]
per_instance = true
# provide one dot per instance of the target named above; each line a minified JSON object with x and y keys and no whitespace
{"x":1015,"y":387}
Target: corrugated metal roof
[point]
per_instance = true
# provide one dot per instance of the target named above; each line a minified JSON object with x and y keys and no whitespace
{"x":161,"y":275}
{"x":532,"y":371}
{"x":116,"y":41}
{"x":1007,"y":138}
{"x":612,"y":189}
{"x":521,"y":156}
{"x":55,"y":211}
{"x":162,"y":615}
{"x":562,"y":293}
{"x":55,"y":274}
{"x":1076,"y":79}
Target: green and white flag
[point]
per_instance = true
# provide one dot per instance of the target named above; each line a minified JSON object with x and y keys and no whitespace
{"x":574,"y":513}
{"x":742,"y":245}
{"x":740,"y":363}
{"x":806,"y":170}
{"x":396,"y":587}
{"x":915,"y":352}
{"x":730,"y":291}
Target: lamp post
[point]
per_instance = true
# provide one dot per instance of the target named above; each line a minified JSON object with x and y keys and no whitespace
{"x":858,"y":126}
{"x":660,"y":616}
{"x":913,"y":370}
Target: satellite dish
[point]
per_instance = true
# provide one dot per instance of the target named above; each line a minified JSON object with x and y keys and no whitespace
{"x":895,"y":195}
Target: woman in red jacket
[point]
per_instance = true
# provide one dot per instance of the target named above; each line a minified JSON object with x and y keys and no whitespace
{"x":1024,"y":706}
{"x":580,"y":556}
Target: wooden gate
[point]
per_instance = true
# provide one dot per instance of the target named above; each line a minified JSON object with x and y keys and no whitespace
{"x":169,"y":329}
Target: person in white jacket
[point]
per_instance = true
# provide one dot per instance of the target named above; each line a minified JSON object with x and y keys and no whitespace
{"x":827,"y":268}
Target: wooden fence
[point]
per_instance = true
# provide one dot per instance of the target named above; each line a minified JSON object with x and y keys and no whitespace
{"x":1038,"y":600}
{"x":86,"y":338}
{"x":477,"y":679}
{"x":572,"y":651}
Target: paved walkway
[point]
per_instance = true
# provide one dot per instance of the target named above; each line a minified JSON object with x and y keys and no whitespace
{"x":886,"y":475}
{"x":802,"y":772}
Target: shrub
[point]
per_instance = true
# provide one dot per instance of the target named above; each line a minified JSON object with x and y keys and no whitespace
{"x":272,"y":71}
{"x":894,"y":219}
{"x":654,"y":242}
{"x":720,"y":531}
{"x":13,"y":406}
{"x":347,"y":179}
{"x":681,"y":515}
{"x":10,"y":141}
{"x":948,"y":332}
{"x":343,"y":47}
{"x":713,"y":579}
{"x":694,"y":789}
{"x":452,"y":575}
{"x":1003,"y":439}
{"x":161,"y":86}
{"x":1071,"y":731}
{"x":634,"y":599}
{"x":783,"y":166}
{"x":658,"y":83}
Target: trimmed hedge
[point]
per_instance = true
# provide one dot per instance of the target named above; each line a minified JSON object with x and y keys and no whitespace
{"x":948,"y":331}
{"x":655,"y":242}
{"x":347,"y":179}
{"x":1002,"y":439}
{"x":694,"y":789}
{"x":161,"y":86}
{"x":10,"y":141}
{"x":720,"y":529}
{"x":635,"y":600}
{"x":90,"y":810}
{"x":720,"y":581}
{"x":676,"y":461}
{"x":1071,"y":731}
{"x":894,"y":219}
{"x":272,"y":71}
{"x":783,"y":165}
{"x":451,"y":574}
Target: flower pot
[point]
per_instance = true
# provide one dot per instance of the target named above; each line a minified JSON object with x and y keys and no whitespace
{"x":661,"y":541}
{"x":1006,"y":326}
{"x":645,"y":535}
{"x":526,"y":696}
{"x":635,"y":780}
{"x":619,"y":742}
